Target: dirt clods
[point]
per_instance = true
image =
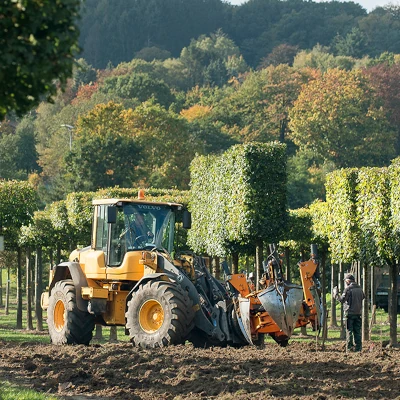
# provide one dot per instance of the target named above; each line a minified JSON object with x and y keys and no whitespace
{"x":121,"y":371}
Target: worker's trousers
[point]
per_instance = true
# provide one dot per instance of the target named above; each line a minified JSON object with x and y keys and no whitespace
{"x":353,"y":332}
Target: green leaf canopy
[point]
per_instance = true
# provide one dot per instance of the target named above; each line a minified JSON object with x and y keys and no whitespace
{"x":343,"y":229}
{"x":238,"y":198}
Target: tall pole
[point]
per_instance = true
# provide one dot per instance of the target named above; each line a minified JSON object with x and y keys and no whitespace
{"x":70,"y":129}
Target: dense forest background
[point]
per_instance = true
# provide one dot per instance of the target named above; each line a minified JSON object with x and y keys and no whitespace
{"x":158,"y":82}
{"x":114,"y":31}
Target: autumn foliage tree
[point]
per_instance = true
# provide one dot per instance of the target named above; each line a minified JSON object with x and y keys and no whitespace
{"x":259,"y":107}
{"x":339,"y":118}
{"x":167,"y":147}
{"x":105,"y":153}
{"x":386,"y":80}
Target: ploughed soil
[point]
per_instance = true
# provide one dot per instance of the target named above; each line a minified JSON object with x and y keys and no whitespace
{"x":302,"y":370}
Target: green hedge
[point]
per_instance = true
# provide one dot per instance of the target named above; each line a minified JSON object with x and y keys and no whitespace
{"x":238,"y":198}
{"x":39,"y":233}
{"x":298,"y":234}
{"x":59,"y":215}
{"x":320,"y":223}
{"x":151,"y":194}
{"x":79,"y":210}
{"x":18,"y":202}
{"x":343,"y":230}
{"x":394,"y":176}
{"x":208,"y":233}
{"x":374,"y":215}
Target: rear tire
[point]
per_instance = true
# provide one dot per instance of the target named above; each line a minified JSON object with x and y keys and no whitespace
{"x":159,"y":314}
{"x":67,"y":324}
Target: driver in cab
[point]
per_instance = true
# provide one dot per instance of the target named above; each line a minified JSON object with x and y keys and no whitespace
{"x":142,"y":231}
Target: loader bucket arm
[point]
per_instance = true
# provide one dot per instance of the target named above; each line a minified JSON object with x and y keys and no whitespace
{"x":311,"y":288}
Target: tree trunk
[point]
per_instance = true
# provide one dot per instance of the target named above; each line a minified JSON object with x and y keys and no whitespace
{"x":211,"y":265}
{"x":365,"y":310}
{"x":247,"y":265}
{"x":32,"y":279}
{"x":341,"y":288}
{"x":58,"y":255}
{"x":259,"y":259}
{"x":323,"y":294}
{"x":7,"y":307}
{"x":19,"y":289}
{"x":38,"y":289}
{"x":360,"y":273}
{"x":29,"y":323}
{"x":282,"y":130}
{"x":372,"y":294}
{"x":51,"y":259}
{"x":393,"y":276}
{"x":113,"y":334}
{"x":217,"y":268}
{"x":99,"y":332}
{"x":1,"y":287}
{"x":334,"y":283}
{"x":287,"y":259}
{"x":235,"y":263}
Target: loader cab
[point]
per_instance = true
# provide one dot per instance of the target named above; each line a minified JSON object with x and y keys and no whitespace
{"x":122,"y":226}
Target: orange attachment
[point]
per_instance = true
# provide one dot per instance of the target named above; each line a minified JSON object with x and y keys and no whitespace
{"x":239,"y":282}
{"x":141,"y":194}
{"x":263,"y":323}
{"x":307,"y":270}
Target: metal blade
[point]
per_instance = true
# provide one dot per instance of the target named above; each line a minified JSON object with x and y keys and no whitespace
{"x":283,"y":302}
{"x":243,"y":317}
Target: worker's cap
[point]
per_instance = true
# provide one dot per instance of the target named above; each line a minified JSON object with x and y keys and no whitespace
{"x":349,"y":277}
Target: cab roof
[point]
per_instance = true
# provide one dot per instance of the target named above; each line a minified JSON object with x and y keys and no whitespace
{"x":133,"y":201}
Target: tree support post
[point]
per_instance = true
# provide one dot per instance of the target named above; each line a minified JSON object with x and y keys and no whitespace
{"x":393,"y":277}
{"x":365,"y":311}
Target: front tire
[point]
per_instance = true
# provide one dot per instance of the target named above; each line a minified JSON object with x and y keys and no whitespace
{"x":67,"y":324}
{"x":159,"y":314}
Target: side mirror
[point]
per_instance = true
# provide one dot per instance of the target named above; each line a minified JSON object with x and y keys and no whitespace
{"x":187,"y":219}
{"x":111,"y":215}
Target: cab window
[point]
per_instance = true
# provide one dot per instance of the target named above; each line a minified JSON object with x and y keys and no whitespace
{"x":102,"y":229}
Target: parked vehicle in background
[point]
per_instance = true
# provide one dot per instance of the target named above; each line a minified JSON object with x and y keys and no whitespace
{"x":382,"y":292}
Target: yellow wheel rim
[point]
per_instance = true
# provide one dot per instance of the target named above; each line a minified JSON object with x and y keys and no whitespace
{"x":59,"y":316}
{"x":151,"y":316}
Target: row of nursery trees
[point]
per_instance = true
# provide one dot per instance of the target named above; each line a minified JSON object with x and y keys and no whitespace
{"x":238,"y":204}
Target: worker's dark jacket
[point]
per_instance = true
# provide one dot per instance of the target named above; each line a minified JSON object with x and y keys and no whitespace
{"x":352,"y":299}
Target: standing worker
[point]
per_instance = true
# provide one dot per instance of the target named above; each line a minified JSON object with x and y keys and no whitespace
{"x":351,"y":299}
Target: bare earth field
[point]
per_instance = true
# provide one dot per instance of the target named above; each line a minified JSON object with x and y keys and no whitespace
{"x":120,"y":371}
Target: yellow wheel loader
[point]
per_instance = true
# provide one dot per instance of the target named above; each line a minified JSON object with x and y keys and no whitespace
{"x":128,"y":277}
